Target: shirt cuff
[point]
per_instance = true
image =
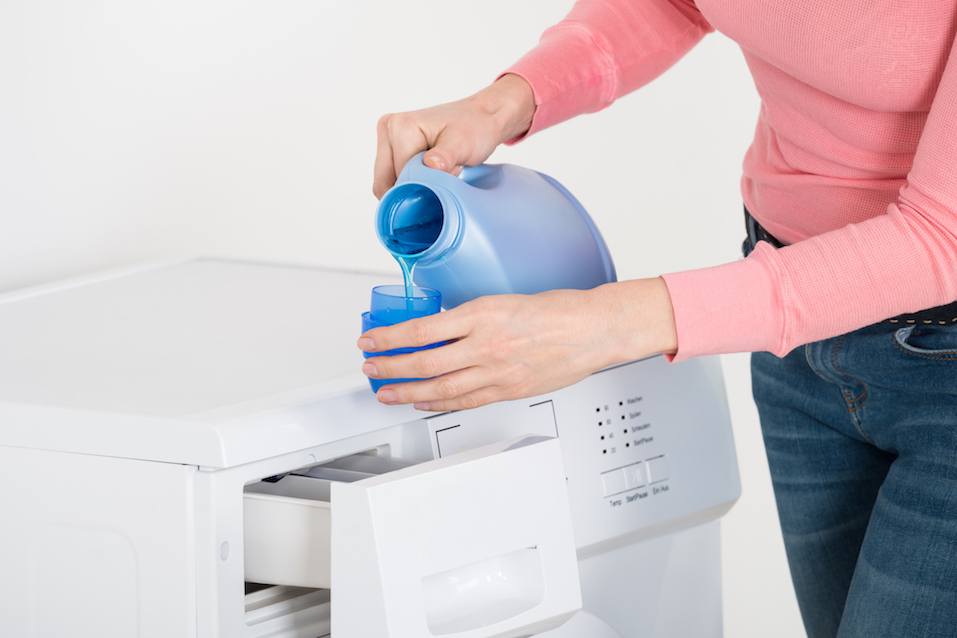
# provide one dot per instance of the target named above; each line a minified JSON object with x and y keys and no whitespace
{"x":734,"y":307}
{"x":568,"y":74}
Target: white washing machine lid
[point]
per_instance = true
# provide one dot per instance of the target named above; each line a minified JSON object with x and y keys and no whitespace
{"x":207,"y":362}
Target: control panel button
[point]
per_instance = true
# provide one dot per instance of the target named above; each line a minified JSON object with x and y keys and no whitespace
{"x":658,"y":469}
{"x":614,"y":482}
{"x":635,"y":475}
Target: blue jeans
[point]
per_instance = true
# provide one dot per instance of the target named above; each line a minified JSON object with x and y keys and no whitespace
{"x":861,"y":436}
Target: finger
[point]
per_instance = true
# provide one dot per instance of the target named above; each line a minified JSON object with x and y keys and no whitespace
{"x":423,"y":364}
{"x":474,"y":399}
{"x":415,"y":333}
{"x":443,"y":388}
{"x":384,"y":174}
{"x":451,"y":149}
{"x":407,"y":140}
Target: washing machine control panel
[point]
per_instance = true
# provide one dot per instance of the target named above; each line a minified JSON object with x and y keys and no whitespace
{"x":634,"y":467}
{"x":647,"y":445}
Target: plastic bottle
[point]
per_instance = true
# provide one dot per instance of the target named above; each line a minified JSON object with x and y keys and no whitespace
{"x":497,"y":228}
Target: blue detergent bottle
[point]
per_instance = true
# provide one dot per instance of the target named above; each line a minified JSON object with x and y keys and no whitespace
{"x":496,"y":228}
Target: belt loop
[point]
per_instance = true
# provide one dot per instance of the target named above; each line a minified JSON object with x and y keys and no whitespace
{"x":757,"y":233}
{"x":750,"y":226}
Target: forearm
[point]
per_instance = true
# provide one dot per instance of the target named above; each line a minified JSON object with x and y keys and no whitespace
{"x":604,"y":49}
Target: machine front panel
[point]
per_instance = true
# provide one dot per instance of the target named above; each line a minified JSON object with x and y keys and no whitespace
{"x":648,"y":446}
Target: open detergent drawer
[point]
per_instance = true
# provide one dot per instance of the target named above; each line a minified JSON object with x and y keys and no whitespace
{"x":287,"y":521}
{"x":474,"y":545}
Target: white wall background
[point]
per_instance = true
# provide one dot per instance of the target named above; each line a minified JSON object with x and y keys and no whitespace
{"x":142,"y":130}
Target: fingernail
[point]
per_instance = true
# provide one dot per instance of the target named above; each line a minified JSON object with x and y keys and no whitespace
{"x":366,"y":344}
{"x":369,"y":369}
{"x":422,"y":406}
{"x":436,"y":161}
{"x":387,"y":396}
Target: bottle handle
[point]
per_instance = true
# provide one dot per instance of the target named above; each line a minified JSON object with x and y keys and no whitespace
{"x":415,"y":170}
{"x":482,"y":176}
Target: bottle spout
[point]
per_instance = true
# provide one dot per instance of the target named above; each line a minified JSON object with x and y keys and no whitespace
{"x":410,"y":219}
{"x":417,"y":221}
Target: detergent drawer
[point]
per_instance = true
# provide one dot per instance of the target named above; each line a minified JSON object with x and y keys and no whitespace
{"x":286,"y":521}
{"x":286,"y":529}
{"x":473,"y":545}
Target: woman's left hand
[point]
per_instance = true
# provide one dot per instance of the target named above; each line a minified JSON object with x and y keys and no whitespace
{"x":513,"y":346}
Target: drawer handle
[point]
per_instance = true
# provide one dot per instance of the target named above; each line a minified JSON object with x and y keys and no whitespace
{"x":484,"y":593}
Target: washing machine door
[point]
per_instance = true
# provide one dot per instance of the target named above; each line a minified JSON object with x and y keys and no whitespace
{"x":583,"y":625}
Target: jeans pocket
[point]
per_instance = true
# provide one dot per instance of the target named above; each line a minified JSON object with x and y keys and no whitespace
{"x":928,"y":341}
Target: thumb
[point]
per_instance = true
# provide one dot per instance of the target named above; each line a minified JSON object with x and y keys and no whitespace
{"x":450,"y":151}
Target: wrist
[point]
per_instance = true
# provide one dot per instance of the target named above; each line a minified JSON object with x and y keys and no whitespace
{"x":511,"y":103}
{"x":641,"y":319}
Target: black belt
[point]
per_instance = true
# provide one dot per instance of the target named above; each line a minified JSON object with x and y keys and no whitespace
{"x":939,"y":315}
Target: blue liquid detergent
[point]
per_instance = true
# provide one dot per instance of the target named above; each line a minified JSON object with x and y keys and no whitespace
{"x":407,"y":266}
{"x":495,"y":229}
{"x":418,"y":223}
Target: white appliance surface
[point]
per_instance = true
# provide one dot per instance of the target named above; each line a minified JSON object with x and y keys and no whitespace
{"x":186,"y":428}
{"x":127,"y":344}
{"x":110,"y":364}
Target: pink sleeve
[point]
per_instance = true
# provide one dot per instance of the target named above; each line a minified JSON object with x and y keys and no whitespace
{"x":902,"y":261}
{"x":604,"y":49}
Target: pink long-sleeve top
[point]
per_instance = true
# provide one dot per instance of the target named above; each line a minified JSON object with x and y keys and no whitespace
{"x":853,"y":163}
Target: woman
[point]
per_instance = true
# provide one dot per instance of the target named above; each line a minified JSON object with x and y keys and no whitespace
{"x":847,"y":303}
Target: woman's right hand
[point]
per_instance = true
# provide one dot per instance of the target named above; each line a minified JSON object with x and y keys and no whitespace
{"x":457,"y":134}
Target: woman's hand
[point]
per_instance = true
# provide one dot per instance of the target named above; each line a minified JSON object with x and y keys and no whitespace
{"x":462,"y":133}
{"x":514,"y":346}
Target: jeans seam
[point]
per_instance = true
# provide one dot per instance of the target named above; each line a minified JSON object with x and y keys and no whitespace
{"x":943,"y":355}
{"x":855,"y":413}
{"x":900,"y":337}
{"x":817,"y":370}
{"x":855,"y":405}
